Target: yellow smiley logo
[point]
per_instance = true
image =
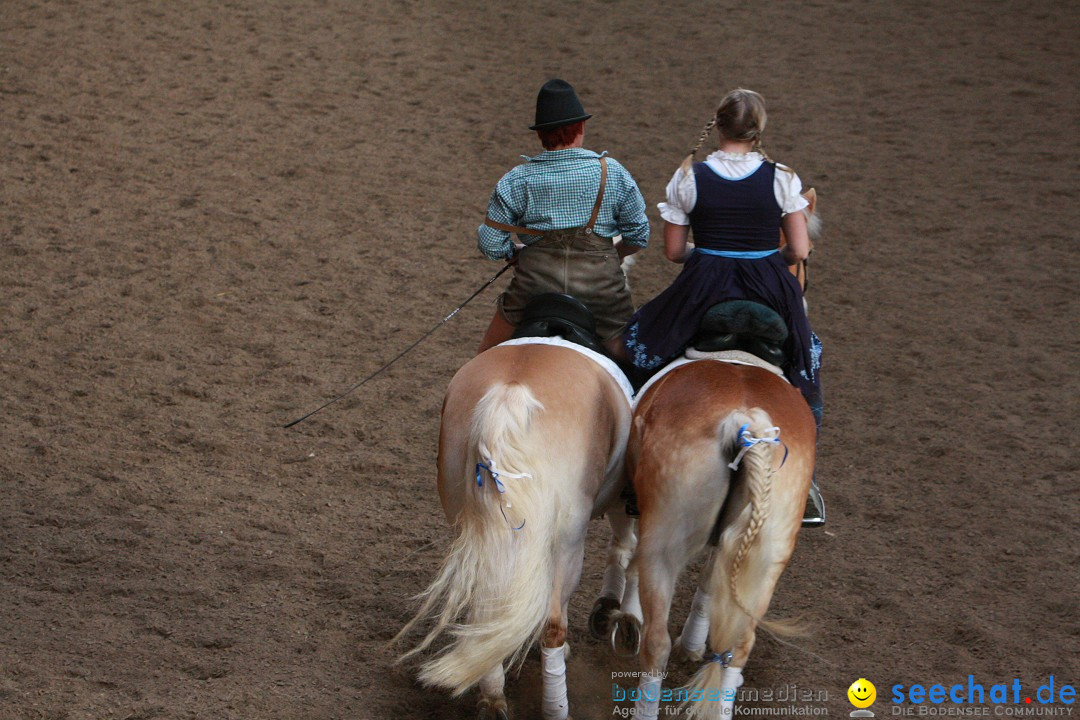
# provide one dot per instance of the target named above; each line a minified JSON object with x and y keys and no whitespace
{"x":862,"y":693}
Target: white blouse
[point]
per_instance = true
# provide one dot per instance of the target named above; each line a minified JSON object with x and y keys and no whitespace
{"x":682,"y":190}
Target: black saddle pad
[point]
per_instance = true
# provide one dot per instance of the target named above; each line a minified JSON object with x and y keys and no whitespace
{"x":743,"y":325}
{"x":559,"y":315}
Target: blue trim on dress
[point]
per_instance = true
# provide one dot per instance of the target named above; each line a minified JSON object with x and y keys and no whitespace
{"x":738,"y":254}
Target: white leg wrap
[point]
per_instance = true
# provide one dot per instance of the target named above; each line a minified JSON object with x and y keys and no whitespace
{"x":729,"y":687}
{"x":647,"y":705}
{"x":696,"y":629}
{"x":614,"y":581}
{"x":631,"y":603}
{"x":553,"y":667}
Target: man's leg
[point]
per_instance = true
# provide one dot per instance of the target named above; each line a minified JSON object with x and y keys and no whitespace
{"x":498,"y":331}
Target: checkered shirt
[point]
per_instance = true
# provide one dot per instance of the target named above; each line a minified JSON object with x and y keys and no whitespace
{"x":556,"y":190}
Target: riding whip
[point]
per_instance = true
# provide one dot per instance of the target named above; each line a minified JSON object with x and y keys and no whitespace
{"x":403,"y":352}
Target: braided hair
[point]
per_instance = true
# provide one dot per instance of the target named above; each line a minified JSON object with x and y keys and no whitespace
{"x":685,"y":167}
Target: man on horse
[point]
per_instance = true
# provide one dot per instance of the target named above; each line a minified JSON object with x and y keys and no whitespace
{"x":567,"y":206}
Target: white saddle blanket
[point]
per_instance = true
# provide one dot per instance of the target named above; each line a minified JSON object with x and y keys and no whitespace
{"x":605,"y":362}
{"x":735,"y":357}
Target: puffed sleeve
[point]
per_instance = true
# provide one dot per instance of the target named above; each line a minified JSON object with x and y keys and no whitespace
{"x":681,"y":198}
{"x":788,"y":189}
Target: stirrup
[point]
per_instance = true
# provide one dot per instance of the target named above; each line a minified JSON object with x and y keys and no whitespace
{"x":814,"y":515}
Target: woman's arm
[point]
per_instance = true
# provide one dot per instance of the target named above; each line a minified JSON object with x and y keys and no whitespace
{"x":798,"y":241}
{"x":676,"y":247}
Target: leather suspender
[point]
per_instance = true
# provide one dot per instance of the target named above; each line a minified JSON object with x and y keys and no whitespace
{"x":588,"y":228}
{"x":599,"y":196}
{"x":512,"y":228}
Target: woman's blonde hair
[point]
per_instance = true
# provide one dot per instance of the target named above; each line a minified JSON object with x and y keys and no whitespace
{"x":740,"y":116}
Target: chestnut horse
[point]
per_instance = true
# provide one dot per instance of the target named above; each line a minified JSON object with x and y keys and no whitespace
{"x":531,"y":448}
{"x":690,"y":428}
{"x":721,"y":452}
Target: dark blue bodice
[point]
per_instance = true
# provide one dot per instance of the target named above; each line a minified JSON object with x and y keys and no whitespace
{"x":736,"y":214}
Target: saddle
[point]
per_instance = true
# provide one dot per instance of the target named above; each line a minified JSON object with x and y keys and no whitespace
{"x":559,"y":315}
{"x":743,"y":325}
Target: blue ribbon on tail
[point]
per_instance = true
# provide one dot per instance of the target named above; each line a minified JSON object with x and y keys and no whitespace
{"x":748,"y":441}
{"x":480,"y":467}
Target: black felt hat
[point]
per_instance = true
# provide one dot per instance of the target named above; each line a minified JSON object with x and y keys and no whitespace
{"x":556,"y":105}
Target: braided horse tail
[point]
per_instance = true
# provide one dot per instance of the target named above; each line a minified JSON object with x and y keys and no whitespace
{"x":740,"y":585}
{"x":737,"y":562}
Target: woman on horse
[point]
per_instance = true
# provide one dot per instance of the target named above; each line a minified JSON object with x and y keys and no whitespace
{"x":736,"y":203}
{"x":566,"y":205}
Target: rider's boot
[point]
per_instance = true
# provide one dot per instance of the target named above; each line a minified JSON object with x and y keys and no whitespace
{"x":814,"y":515}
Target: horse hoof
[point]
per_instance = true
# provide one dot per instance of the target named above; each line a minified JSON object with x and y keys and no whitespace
{"x":492,"y":710}
{"x":680,"y":653}
{"x":600,"y":617}
{"x":625,"y":635}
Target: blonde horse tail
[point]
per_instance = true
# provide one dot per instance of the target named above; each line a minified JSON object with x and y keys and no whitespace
{"x":740,"y":568}
{"x":495,"y":584}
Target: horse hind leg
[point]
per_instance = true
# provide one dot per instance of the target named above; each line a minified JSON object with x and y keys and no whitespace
{"x":492,"y":704}
{"x":678,"y":519}
{"x":690,"y":645}
{"x":554,"y":652}
{"x":554,"y":649}
{"x":737,"y":611}
{"x":741,"y":589}
{"x":620,"y":550}
{"x":658,"y":572}
{"x":625,"y":634}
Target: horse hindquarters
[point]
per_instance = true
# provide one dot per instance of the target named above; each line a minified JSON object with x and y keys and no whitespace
{"x":500,"y":578}
{"x":759,"y":529}
{"x":531,"y":437}
{"x":683,"y":480}
{"x":689,"y":429}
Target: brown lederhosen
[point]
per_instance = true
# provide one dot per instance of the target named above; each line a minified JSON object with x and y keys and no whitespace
{"x":574,"y":261}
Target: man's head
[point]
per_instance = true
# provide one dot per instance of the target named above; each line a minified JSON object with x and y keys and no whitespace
{"x":563,"y":136}
{"x":560,"y":117}
{"x":557,"y":105}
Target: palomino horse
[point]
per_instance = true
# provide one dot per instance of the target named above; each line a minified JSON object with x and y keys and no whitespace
{"x":689,"y":428}
{"x":531,"y":447}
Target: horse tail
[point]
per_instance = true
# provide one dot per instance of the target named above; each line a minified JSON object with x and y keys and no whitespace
{"x":495,"y":583}
{"x":814,"y":225}
{"x":743,"y":573}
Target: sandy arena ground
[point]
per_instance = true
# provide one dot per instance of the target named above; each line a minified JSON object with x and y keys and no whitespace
{"x":215,"y":216}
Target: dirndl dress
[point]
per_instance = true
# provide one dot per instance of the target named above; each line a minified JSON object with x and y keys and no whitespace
{"x":662,"y":328}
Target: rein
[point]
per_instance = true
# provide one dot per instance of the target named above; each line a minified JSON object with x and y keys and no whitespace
{"x":401,"y":354}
